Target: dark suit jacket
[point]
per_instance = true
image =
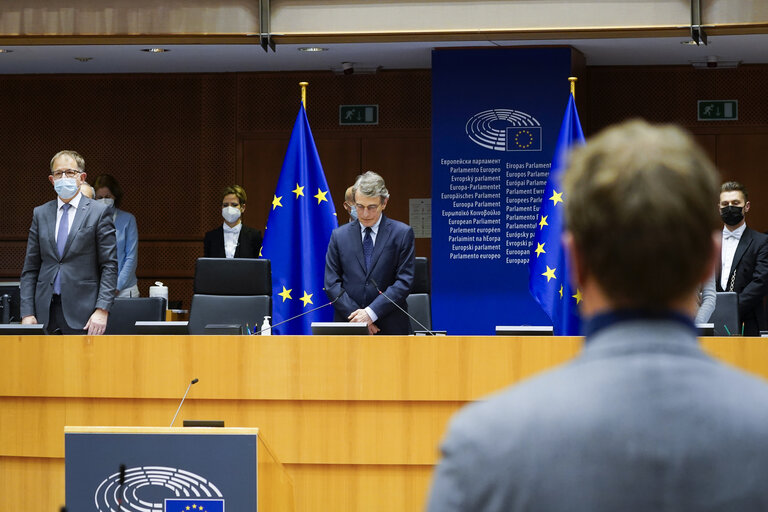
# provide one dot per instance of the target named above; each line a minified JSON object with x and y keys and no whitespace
{"x":750,"y":281}
{"x":88,"y":267}
{"x":392,"y":267}
{"x":642,"y":420}
{"x":248,"y":243}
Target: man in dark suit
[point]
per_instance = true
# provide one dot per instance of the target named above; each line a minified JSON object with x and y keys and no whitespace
{"x":643,"y":419}
{"x":233,"y":239}
{"x":375,"y":252}
{"x":70,"y":270}
{"x":744,"y":259}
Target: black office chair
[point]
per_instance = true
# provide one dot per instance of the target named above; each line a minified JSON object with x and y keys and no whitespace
{"x":419,"y":301}
{"x":725,"y":317}
{"x":125,"y":312}
{"x":230,"y":291}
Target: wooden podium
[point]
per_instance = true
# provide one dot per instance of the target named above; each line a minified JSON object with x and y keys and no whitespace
{"x":172,"y":470}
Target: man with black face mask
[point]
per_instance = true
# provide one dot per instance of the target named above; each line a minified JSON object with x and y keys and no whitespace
{"x":744,"y":259}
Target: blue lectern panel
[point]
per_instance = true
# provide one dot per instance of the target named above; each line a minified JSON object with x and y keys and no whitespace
{"x":163,"y":472}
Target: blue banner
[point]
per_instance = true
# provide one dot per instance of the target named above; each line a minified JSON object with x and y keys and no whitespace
{"x":194,"y":505}
{"x":495,"y":119}
{"x":549,"y":265}
{"x":298,"y":230}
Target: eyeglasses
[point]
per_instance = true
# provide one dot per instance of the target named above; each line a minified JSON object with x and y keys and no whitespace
{"x":371,"y":207}
{"x":69,"y":173}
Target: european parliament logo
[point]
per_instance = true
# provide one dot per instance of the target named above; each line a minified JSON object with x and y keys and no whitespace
{"x":147,"y":489}
{"x":502,"y":129}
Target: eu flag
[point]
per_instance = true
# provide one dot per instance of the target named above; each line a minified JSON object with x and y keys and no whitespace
{"x":548,"y":265}
{"x":298,"y":230}
{"x":194,"y":505}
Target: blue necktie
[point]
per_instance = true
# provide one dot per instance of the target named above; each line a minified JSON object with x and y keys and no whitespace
{"x":368,"y":248}
{"x":61,"y":242}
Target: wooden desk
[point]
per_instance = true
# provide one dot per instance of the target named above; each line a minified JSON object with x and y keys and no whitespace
{"x":356,"y":421}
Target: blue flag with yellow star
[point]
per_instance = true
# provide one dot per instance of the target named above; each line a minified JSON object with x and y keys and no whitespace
{"x":298,"y":230}
{"x":548,"y":280}
{"x":193,"y":505}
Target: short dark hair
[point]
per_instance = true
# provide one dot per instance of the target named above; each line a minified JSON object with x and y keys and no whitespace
{"x":731,"y":186}
{"x":109,"y":181}
{"x":236,"y":190}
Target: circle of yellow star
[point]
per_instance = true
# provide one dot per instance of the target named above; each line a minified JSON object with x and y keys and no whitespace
{"x":276,"y":202}
{"x":543,"y":221}
{"x":550,"y":273}
{"x":540,"y":249}
{"x":321,"y":196}
{"x":306,"y":299}
{"x":577,"y":296}
{"x":561,"y":291}
{"x":286,"y":294}
{"x":556,"y":198}
{"x":299,"y":191}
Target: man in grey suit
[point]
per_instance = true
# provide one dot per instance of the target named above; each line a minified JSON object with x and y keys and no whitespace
{"x":70,"y":271}
{"x":375,"y":253}
{"x":642,"y":419}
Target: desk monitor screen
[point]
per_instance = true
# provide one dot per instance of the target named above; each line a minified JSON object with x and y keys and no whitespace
{"x":16,"y":329}
{"x":524,"y":330}
{"x":161,"y":328}
{"x":339,"y":328}
{"x":10,"y":302}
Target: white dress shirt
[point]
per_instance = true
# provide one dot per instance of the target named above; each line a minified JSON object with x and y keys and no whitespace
{"x":73,"y":203}
{"x":231,"y":236}
{"x":730,"y":243}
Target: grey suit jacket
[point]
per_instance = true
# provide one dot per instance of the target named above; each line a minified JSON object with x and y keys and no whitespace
{"x":642,"y":420}
{"x":392,"y":267}
{"x":88,"y":266}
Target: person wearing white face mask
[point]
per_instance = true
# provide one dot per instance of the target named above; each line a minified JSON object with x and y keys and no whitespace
{"x":232,"y":239}
{"x":109,"y":193}
{"x":70,"y":269}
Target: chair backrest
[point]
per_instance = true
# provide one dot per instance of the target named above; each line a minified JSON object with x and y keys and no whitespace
{"x":725,"y":317}
{"x":420,"y":307}
{"x":233,"y":276}
{"x":228,"y":309}
{"x":126,"y":311}
{"x":421,"y":282}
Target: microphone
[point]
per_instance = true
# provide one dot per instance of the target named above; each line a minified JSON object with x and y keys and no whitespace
{"x":122,"y":482}
{"x":193,"y":381}
{"x":302,"y":313}
{"x":373,"y":282}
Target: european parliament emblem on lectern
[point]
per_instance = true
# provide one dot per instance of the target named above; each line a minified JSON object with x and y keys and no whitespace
{"x":140,"y":469}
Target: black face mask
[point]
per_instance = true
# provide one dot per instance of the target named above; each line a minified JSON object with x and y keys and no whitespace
{"x":732,"y":215}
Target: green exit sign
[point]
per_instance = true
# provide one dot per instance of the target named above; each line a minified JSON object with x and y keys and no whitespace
{"x":718,"y":110}
{"x":358,"y":114}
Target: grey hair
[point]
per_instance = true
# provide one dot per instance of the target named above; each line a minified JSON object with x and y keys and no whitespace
{"x":79,"y":160}
{"x":371,"y":184}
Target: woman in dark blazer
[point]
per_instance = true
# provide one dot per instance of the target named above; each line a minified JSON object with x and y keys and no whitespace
{"x":232,"y":239}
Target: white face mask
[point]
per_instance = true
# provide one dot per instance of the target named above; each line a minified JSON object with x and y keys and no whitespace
{"x":108,"y":201}
{"x":230,"y":214}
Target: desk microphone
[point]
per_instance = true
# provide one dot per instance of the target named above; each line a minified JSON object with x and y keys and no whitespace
{"x":193,"y":381}
{"x":302,"y":314}
{"x":373,"y":282}
{"x":122,"y":483}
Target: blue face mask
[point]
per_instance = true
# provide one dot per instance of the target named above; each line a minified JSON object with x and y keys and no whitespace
{"x":353,"y":212}
{"x":66,"y":187}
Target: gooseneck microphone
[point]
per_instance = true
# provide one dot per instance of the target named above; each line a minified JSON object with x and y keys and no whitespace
{"x":120,"y":491}
{"x":373,"y":282}
{"x":302,"y":314}
{"x":193,"y":381}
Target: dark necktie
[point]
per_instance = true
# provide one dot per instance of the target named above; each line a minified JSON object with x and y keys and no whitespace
{"x":368,"y":248}
{"x":61,"y":242}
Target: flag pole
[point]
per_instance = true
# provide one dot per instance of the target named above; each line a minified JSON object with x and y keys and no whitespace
{"x":571,"y":79}
{"x":304,"y":93}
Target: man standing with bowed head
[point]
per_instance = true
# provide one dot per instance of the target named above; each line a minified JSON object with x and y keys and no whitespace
{"x":374,"y":252}
{"x":70,"y":270}
{"x":744,"y":259}
{"x":643,"y":419}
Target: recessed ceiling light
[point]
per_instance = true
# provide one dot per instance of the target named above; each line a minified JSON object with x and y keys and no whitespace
{"x":312,"y":49}
{"x":155,"y":50}
{"x":3,"y":50}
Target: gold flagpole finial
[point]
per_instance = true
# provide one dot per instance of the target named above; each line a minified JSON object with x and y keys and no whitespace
{"x":304,"y":93}
{"x":573,"y":79}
